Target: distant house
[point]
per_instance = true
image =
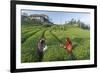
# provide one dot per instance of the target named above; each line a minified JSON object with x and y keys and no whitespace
{"x":40,"y":17}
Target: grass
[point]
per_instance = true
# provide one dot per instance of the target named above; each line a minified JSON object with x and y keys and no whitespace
{"x":30,"y":36}
{"x":29,"y":48}
{"x":54,"y":52}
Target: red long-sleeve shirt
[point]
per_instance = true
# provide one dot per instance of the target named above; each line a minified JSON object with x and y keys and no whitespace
{"x":68,"y":45}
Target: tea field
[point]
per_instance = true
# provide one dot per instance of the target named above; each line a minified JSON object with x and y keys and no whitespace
{"x":54,"y":35}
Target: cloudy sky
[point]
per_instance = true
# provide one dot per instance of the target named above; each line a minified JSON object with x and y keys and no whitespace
{"x":59,"y":17}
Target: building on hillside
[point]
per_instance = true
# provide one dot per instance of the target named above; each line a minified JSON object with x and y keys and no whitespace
{"x":41,"y":18}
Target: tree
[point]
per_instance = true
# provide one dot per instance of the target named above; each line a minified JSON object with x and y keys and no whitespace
{"x":79,"y":23}
{"x":24,"y":14}
{"x":84,"y":26}
{"x":72,"y":21}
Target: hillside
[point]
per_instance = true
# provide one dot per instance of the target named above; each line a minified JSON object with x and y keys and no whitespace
{"x":54,"y":36}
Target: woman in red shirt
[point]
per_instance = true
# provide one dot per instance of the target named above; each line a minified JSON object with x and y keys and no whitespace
{"x":68,"y":45}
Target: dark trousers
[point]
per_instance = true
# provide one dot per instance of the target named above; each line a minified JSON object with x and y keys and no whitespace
{"x":40,"y":54}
